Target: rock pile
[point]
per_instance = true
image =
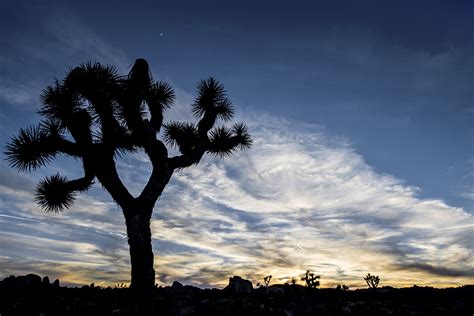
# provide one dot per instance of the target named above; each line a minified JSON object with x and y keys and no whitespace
{"x":31,"y":295}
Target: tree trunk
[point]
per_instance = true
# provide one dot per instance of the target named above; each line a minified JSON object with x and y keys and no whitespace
{"x":141,"y":257}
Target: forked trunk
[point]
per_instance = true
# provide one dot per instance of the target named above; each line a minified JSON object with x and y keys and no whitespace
{"x":141,"y":257}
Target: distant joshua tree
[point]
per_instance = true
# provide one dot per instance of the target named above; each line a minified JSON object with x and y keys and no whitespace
{"x":372,"y":281}
{"x":94,"y":115}
{"x":266,"y":281}
{"x":311,"y":279}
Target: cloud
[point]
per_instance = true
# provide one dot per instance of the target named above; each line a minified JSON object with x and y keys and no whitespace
{"x":468,"y":195}
{"x":300,"y":199}
{"x":439,"y":271}
{"x":83,"y":245}
{"x":311,"y":201}
{"x":16,"y":93}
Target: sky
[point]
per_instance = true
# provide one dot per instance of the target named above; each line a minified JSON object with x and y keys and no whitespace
{"x":363,"y":160}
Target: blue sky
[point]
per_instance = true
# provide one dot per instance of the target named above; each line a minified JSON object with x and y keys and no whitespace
{"x":363,"y":122}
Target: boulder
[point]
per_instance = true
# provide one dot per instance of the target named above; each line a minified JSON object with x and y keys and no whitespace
{"x":8,"y":281}
{"x":45,"y":282}
{"x":27,"y":281}
{"x":177,"y":287}
{"x":239,"y":285}
{"x":56,"y":283}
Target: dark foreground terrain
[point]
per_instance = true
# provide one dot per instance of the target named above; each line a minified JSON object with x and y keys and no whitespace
{"x":31,"y":295}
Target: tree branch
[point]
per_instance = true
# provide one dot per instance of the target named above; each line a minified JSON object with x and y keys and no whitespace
{"x":187,"y":160}
{"x":159,"y":96}
{"x":106,"y":173}
{"x":222,"y":142}
{"x":157,"y":182}
{"x":67,"y":147}
{"x":35,"y":147}
{"x":160,"y":175}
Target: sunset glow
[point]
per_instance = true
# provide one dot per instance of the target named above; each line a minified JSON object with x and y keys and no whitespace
{"x":362,"y":160}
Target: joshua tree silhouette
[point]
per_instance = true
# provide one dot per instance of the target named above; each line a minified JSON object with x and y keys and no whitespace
{"x":107,"y":115}
{"x":266,"y":281}
{"x":311,"y":279}
{"x":372,"y":281}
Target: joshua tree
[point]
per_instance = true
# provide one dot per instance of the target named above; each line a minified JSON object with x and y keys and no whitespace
{"x":267,"y":280}
{"x":372,"y":281}
{"x":95,"y":115}
{"x":311,"y":279}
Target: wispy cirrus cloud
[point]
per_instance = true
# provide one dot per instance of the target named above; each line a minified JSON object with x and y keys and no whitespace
{"x":17,"y":93}
{"x":300,"y":199}
{"x":80,"y":246}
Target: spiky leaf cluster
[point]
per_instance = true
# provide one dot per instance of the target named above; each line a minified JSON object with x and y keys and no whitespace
{"x":224,"y":141}
{"x":31,"y":149}
{"x":182,"y":135}
{"x":161,"y":94}
{"x":242,"y":134}
{"x":160,"y":97}
{"x":221,"y":145}
{"x":212,"y":100}
{"x":59,"y":103}
{"x":94,"y":82}
{"x":53,"y":194}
